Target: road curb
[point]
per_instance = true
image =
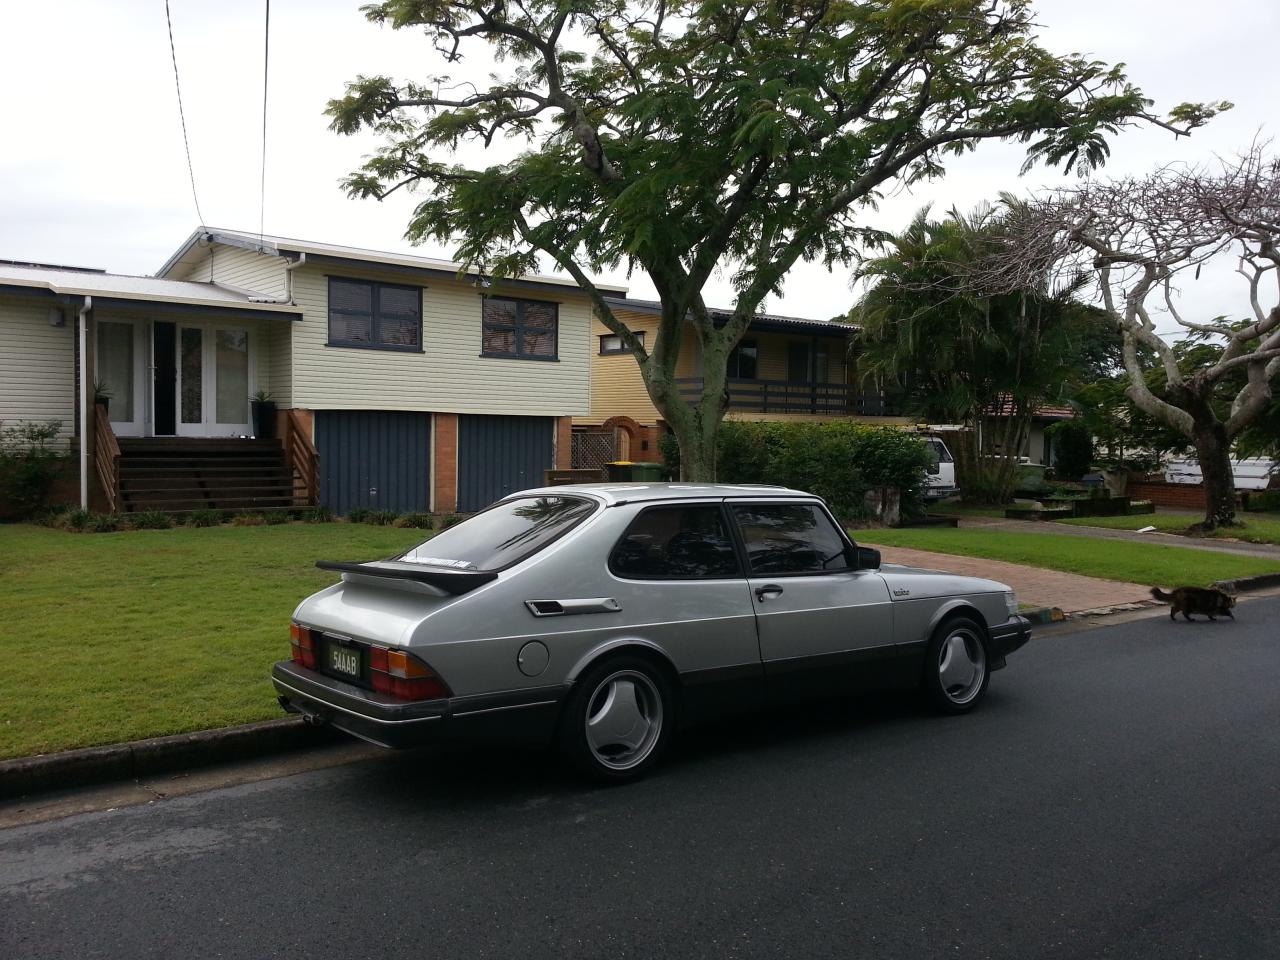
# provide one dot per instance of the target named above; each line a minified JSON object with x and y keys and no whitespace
{"x":1044,"y":615}
{"x":157,"y":755}
{"x":1245,"y":584}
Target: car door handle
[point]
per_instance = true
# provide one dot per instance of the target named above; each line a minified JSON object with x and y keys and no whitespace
{"x":768,"y":591}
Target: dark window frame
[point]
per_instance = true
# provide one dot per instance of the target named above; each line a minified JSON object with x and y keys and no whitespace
{"x":623,"y":349}
{"x":745,"y":554}
{"x":518,"y":329}
{"x":735,"y":359}
{"x":374,"y":315}
{"x":729,"y":527}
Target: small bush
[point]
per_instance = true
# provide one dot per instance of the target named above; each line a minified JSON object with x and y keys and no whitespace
{"x":448,"y":520}
{"x":319,"y":514}
{"x":382,"y":518}
{"x":28,"y":465}
{"x":105,"y":523}
{"x":150,"y":520}
{"x":248,"y":518}
{"x":359,"y":514}
{"x":274,"y":518}
{"x":204,"y":518}
{"x":418,"y":521}
{"x":1264,"y":500}
{"x":1072,"y":448}
{"x":77,"y":520}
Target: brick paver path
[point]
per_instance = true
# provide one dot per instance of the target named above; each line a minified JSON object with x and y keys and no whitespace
{"x":1034,"y":585}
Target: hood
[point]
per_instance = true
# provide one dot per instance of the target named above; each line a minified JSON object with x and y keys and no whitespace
{"x":917,"y":583}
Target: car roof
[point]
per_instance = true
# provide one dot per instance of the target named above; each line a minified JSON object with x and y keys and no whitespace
{"x":614,"y":494}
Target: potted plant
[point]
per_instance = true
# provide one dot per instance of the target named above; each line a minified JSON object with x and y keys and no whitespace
{"x":102,"y":395}
{"x":264,"y":415}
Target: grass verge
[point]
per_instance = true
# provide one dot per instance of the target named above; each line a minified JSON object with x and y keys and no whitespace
{"x":1107,"y":559}
{"x":116,"y":636}
{"x":1258,"y":528}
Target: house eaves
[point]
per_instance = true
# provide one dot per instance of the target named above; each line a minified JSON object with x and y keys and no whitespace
{"x":766,"y":322}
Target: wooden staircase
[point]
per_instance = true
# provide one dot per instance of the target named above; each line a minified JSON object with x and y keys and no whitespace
{"x":181,"y":475}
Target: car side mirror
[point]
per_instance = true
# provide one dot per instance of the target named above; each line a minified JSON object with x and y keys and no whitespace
{"x":864,"y":558}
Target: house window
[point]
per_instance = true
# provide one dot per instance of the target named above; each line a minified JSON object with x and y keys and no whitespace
{"x":612,"y":343}
{"x":380,"y":316}
{"x":742,"y":360}
{"x":522,"y":329}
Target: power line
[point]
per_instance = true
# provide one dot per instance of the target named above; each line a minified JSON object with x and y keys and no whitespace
{"x":262,"y":182}
{"x":182,"y":115}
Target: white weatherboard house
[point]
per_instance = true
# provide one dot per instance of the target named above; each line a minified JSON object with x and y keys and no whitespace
{"x":400,"y":382}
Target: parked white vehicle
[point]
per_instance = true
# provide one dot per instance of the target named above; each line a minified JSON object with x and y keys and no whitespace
{"x":941,"y":481}
{"x":1251,"y":474}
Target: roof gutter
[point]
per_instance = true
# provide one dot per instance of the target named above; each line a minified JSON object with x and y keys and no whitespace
{"x":84,"y":401}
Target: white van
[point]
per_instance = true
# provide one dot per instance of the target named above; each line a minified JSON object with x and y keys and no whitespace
{"x":941,"y":480}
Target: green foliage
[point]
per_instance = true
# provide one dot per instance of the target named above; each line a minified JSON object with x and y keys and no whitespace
{"x":417,"y":521}
{"x":150,"y":520}
{"x":248,"y":518}
{"x":77,"y":520}
{"x":1073,"y":448}
{"x":28,"y":464}
{"x":105,"y":523}
{"x":382,"y":518}
{"x":320,"y":514}
{"x":447,"y":520}
{"x":276,"y":517}
{"x":684,"y":138}
{"x":1265,"y":501}
{"x":204,"y":518}
{"x":839,"y":461}
{"x":359,"y":514}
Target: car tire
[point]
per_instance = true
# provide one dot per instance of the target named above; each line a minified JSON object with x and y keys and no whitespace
{"x":618,"y":719}
{"x":956,"y":665}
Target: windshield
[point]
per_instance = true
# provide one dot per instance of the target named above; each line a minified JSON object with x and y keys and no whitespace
{"x":502,"y":535}
{"x":940,"y":452}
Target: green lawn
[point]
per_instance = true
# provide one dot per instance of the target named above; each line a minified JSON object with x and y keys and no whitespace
{"x":1258,"y":527}
{"x":116,"y":636}
{"x":1108,"y":559}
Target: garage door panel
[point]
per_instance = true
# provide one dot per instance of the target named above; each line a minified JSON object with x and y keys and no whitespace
{"x":499,"y":455}
{"x":380,"y":459}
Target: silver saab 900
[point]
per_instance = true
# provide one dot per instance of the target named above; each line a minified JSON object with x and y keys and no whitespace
{"x":601,"y":616}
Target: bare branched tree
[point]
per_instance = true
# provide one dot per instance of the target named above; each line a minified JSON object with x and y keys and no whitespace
{"x":1139,"y":236}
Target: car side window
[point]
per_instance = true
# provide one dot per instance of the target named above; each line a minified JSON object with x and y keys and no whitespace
{"x":790,"y":538}
{"x":676,"y":543}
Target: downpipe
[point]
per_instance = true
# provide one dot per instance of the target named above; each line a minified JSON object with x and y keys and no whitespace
{"x":84,"y":401}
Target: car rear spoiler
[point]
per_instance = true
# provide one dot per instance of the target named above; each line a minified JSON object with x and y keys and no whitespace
{"x":454,"y":582}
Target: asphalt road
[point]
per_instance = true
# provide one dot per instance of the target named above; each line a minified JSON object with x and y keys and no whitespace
{"x":1118,"y":795}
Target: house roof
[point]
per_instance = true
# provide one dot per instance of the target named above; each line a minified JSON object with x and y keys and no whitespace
{"x":284,"y":246}
{"x":761,"y":321}
{"x":115,"y":286}
{"x":1046,"y":411}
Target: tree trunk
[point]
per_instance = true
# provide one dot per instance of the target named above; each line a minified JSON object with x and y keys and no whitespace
{"x":1214,"y":453}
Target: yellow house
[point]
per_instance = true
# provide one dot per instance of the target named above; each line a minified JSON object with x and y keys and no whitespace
{"x":784,"y":368}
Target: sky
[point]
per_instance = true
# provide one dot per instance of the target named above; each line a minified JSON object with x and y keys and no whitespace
{"x":93,"y":171}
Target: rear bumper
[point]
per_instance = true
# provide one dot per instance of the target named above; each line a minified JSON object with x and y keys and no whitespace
{"x":524,"y":715}
{"x":1004,"y":638}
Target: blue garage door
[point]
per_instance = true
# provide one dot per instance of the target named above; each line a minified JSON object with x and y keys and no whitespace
{"x":498,"y":455}
{"x":374,"y":458}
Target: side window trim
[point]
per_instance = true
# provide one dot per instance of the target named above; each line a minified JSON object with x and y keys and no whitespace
{"x":738,"y":554}
{"x":740,"y":538}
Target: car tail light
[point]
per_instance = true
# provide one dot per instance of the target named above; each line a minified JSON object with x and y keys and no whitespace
{"x":404,"y":676}
{"x":302,"y":645}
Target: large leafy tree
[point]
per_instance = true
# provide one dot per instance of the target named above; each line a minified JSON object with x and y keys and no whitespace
{"x":683,"y":138}
{"x":958,"y":356}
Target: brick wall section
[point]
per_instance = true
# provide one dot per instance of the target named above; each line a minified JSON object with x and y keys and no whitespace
{"x":1186,"y":496}
{"x":444,"y":463}
{"x":564,"y":443}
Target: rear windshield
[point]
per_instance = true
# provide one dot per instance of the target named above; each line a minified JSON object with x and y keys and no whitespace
{"x":502,"y":535}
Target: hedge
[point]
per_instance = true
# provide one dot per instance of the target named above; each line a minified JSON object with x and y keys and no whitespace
{"x":839,"y":461}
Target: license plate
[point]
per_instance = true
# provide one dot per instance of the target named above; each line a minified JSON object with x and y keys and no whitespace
{"x":344,"y":661}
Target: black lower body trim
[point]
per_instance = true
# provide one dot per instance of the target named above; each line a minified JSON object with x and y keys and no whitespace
{"x":1004,"y":638}
{"x":517,"y":715}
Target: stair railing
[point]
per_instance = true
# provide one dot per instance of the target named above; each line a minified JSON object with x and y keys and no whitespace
{"x":106,"y":457}
{"x":303,"y":459}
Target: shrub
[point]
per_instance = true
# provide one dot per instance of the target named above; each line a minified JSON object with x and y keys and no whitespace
{"x":28,"y":464}
{"x":418,"y":521}
{"x":105,"y":523}
{"x":321,"y":514}
{"x":150,"y":520}
{"x":1072,"y":448}
{"x":382,"y":518}
{"x":204,"y":518}
{"x":359,"y":514}
{"x":274,"y":518}
{"x":839,"y":461}
{"x":247,"y":518}
{"x":447,"y":520}
{"x":1267,"y":500}
{"x":78,"y":520}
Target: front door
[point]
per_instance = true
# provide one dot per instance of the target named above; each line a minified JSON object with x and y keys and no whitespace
{"x":121,"y":347}
{"x":817,"y":619}
{"x":202,"y":380}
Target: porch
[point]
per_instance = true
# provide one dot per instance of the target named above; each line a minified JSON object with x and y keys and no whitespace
{"x":800,"y":397}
